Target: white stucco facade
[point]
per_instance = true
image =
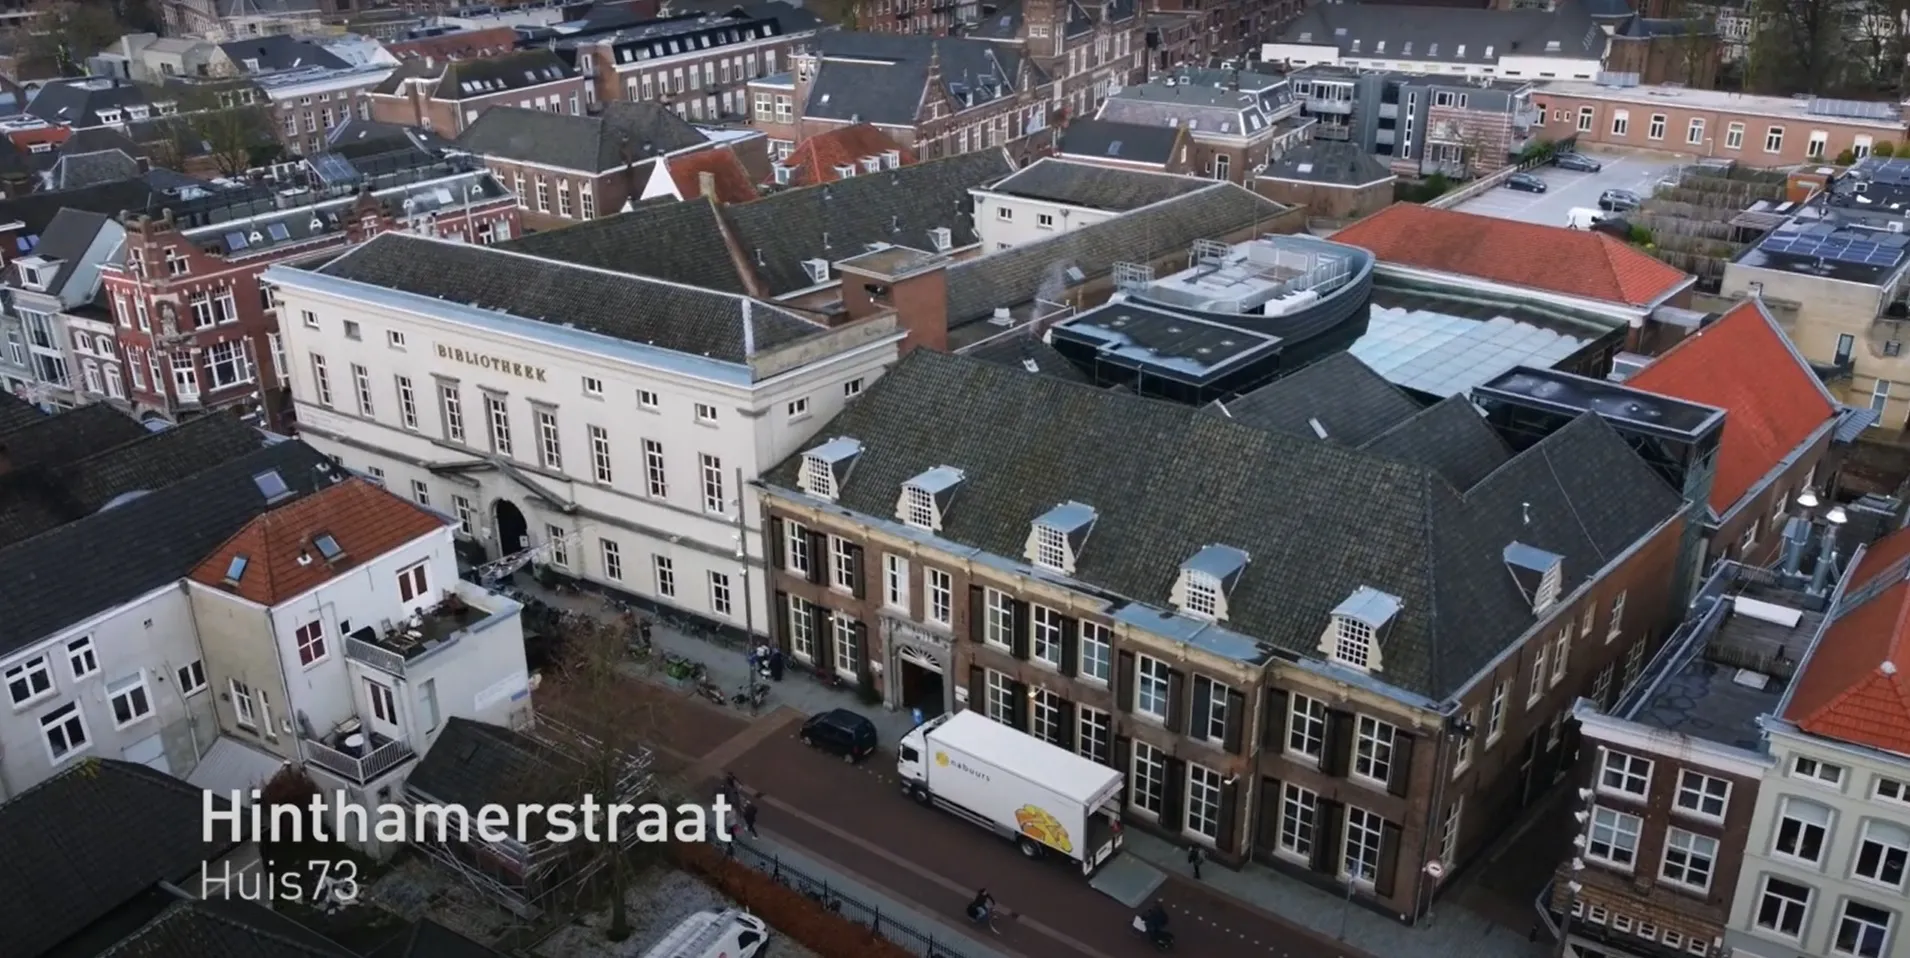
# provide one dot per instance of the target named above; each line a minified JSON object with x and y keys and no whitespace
{"x":1003,"y":220}
{"x":1552,"y":66}
{"x":627,"y":461}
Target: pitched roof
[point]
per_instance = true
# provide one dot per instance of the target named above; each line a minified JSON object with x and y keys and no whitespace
{"x":1329,"y":162}
{"x":1030,"y":354}
{"x":1351,"y":402}
{"x":36,"y":210}
{"x":280,"y":51}
{"x":69,"y":436}
{"x":622,"y":134}
{"x":700,"y":322}
{"x":1853,"y":688}
{"x":66,"y":574}
{"x":464,"y":43}
{"x":1744,"y":364}
{"x":1570,"y":262}
{"x":1096,"y":187}
{"x":1441,"y":33}
{"x":1126,"y":142}
{"x":679,"y":242}
{"x":815,"y":159}
{"x":88,"y":841}
{"x":1879,"y":557}
{"x":485,"y":76}
{"x":884,"y":77}
{"x":1318,"y":520}
{"x":473,"y":764}
{"x":66,"y":240}
{"x":729,"y":181}
{"x":16,"y":412}
{"x":1448,"y":437}
{"x":280,"y":558}
{"x":224,"y":928}
{"x":1015,"y":275}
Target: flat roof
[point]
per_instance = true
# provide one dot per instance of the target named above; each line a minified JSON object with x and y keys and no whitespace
{"x":1886,"y":116}
{"x":1710,"y":695}
{"x":1830,"y":249}
{"x":1443,"y":354}
{"x":1632,"y":408}
{"x":1164,"y":341}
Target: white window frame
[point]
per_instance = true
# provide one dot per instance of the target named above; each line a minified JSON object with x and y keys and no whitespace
{"x":663,"y":569}
{"x":998,"y":619}
{"x":845,"y":647}
{"x":1785,"y":813}
{"x":138,"y":694}
{"x":1200,"y":595}
{"x":1495,"y":713}
{"x":70,"y":721}
{"x":1373,"y":750}
{"x":1449,"y":832}
{"x":1900,"y":846}
{"x":1147,"y":768}
{"x":1299,"y":821}
{"x":722,"y":596}
{"x":1306,"y":727}
{"x":802,"y":629}
{"x":192,"y":678}
{"x":244,"y":710}
{"x":1696,"y":790}
{"x":1094,"y":651}
{"x":895,"y":581}
{"x":1093,"y":731}
{"x":1818,"y":772}
{"x":1044,"y":635}
{"x":1882,"y":940}
{"x":1150,"y":689}
{"x":1606,"y":830}
{"x":938,"y":606}
{"x":600,"y":465}
{"x":1624,"y":775}
{"x":715,"y":498}
{"x":1797,"y":910}
{"x":1360,"y":846}
{"x":82,"y":657}
{"x":1690,"y":860}
{"x":842,"y":564}
{"x":999,"y":697}
{"x":1203,"y":819}
{"x":611,"y":554}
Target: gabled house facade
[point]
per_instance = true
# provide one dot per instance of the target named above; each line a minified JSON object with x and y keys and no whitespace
{"x":1331,"y":737}
{"x":59,"y":340}
{"x":446,"y":96}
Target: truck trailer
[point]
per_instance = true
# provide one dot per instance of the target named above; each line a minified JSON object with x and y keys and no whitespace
{"x":1044,"y":798}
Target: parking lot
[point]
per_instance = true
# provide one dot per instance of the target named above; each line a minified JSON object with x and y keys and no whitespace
{"x":1566,"y":189}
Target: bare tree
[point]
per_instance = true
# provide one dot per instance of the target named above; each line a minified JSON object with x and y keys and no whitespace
{"x":602,"y":718}
{"x":67,"y":32}
{"x":1877,"y":46}
{"x":216,"y":123}
{"x":1798,"y":45}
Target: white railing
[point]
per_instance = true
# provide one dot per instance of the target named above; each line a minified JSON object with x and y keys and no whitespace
{"x":360,"y":769}
{"x":384,"y":660}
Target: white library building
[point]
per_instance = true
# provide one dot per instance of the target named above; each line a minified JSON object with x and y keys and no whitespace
{"x":612,"y":419}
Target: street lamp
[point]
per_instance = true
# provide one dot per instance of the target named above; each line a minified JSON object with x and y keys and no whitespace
{"x":741,"y":538}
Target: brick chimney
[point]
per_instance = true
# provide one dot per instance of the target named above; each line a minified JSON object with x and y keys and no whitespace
{"x":911,"y":283}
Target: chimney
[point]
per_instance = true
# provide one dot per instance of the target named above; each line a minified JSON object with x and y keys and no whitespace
{"x":917,"y":295}
{"x":706,"y":186}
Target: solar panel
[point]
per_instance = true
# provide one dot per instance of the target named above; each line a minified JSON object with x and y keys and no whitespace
{"x":333,"y":168}
{"x":1837,"y":247}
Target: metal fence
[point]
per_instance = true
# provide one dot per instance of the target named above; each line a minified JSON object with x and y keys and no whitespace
{"x":915,"y":941}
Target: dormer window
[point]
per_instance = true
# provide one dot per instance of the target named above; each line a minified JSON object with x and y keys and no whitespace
{"x":781,"y":173}
{"x":1539,"y":574}
{"x":1055,"y":541}
{"x":1206,"y":580}
{"x":36,"y":272}
{"x":942,"y":238}
{"x":845,"y":170}
{"x":925,"y":499}
{"x":1358,"y":625}
{"x":826,"y":467}
{"x":818,"y":269}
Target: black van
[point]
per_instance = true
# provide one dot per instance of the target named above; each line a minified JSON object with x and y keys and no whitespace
{"x":840,"y":732}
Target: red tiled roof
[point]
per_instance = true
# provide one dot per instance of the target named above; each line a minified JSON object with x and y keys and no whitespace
{"x":1879,"y":556}
{"x":815,"y":159}
{"x":1743,"y":364}
{"x":732,"y":180}
{"x":1854,"y":688}
{"x":366,"y":520}
{"x":1550,"y":258}
{"x":462,"y":45}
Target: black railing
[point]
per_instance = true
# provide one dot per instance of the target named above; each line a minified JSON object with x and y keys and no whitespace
{"x":819,"y":891}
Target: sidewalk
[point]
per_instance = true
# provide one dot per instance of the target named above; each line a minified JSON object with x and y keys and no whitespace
{"x":1452,"y":931}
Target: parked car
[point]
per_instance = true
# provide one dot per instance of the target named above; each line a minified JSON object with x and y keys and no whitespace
{"x":1577,"y":161}
{"x":1619,"y":201}
{"x":1525,"y":182}
{"x":840,"y":732}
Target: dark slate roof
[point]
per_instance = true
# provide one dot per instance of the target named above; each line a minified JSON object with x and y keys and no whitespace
{"x":100,"y":138}
{"x":66,"y":574}
{"x":75,"y":170}
{"x":1437,"y":33}
{"x":224,"y":929}
{"x":1319,"y":520}
{"x":672,"y":316}
{"x":681,"y":242}
{"x":66,"y":239}
{"x":71,"y":435}
{"x":1449,"y":437}
{"x":1007,"y":21}
{"x":839,"y":219}
{"x":1096,"y":187}
{"x":37,"y":499}
{"x":281,"y":51}
{"x":16,"y":412}
{"x":1352,"y":403}
{"x":36,"y":210}
{"x":473,"y":764}
{"x":1029,"y":354}
{"x":428,"y":939}
{"x":1131,"y":142}
{"x":882,"y":77}
{"x":88,"y":841}
{"x":1013,"y":276}
{"x":1331,"y":162}
{"x":78,"y":102}
{"x":1644,"y":28}
{"x":622,"y":134}
{"x":481,"y":76}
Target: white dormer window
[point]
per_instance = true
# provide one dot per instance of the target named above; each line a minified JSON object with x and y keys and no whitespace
{"x":1357,"y":628}
{"x":781,"y":173}
{"x":1539,"y":574}
{"x":826,"y":467}
{"x":943,"y":238}
{"x":818,"y":269}
{"x":892,"y":159}
{"x":1206,"y":580}
{"x":34,"y":276}
{"x":1055,"y":540}
{"x":925,"y":499}
{"x":846,"y":170}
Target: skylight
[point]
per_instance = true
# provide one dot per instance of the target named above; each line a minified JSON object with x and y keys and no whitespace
{"x":271,"y":485}
{"x":327,"y":546}
{"x":235,"y":570}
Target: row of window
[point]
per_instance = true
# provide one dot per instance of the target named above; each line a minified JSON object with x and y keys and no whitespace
{"x":64,"y":730}
{"x":1862,"y":930}
{"x":722,"y":596}
{"x":651,"y":85}
{"x":1626,"y":924}
{"x":1695,"y":133}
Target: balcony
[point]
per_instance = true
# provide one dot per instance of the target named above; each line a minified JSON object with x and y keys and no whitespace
{"x":353,"y":752}
{"x":396,"y":648}
{"x":1332,"y":131}
{"x":1316,"y":104}
{"x":1525,"y":118}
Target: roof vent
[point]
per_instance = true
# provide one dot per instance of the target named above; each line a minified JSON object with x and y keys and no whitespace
{"x":942,"y":238}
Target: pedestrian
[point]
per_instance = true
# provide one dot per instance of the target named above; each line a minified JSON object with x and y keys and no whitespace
{"x":1194,"y":858}
{"x":749,"y":818}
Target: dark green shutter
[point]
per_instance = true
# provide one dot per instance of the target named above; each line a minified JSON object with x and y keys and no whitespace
{"x":858,"y":578}
{"x":1388,"y":865}
{"x":1327,"y":817}
{"x":1273,"y":724}
{"x":1236,"y":721}
{"x":1176,"y":701}
{"x":775,"y":544}
{"x":782,"y":621}
{"x":978,"y":689}
{"x":1019,"y":624}
{"x":1173,"y":793}
{"x":977,"y":613}
{"x":1336,"y":753}
{"x":1229,"y":812}
{"x":1124,"y":686}
{"x":1070,"y":646}
{"x":1399,"y":772}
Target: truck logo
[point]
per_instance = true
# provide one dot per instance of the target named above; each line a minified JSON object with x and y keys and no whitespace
{"x":942,"y":759}
{"x":1038,"y":824}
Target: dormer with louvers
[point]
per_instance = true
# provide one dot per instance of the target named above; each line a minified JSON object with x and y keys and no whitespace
{"x":826,"y":467}
{"x":1056,"y":537}
{"x":1356,"y":631}
{"x":1539,"y":574}
{"x":1207,"y":580}
{"x":925,"y":499}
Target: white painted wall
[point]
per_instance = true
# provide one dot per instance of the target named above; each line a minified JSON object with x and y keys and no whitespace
{"x":1003,"y":221}
{"x":1517,"y":67}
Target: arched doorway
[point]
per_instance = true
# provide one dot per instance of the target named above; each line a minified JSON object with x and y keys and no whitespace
{"x":513,"y":533}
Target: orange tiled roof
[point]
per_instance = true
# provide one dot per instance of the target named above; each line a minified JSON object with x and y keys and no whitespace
{"x":1854,"y":687}
{"x":1743,"y":364}
{"x":1879,"y":556}
{"x":1550,"y":258}
{"x":815,"y":159}
{"x":463,"y":45}
{"x":366,"y":520}
{"x":732,"y":180}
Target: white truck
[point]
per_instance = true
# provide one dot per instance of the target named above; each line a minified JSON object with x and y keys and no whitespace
{"x":1044,"y":798}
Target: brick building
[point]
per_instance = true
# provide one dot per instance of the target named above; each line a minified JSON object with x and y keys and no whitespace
{"x":838,"y":154}
{"x":696,"y":63}
{"x":1758,"y":131}
{"x":566,"y":169}
{"x":311,"y":85}
{"x":457,"y":45}
{"x":447,"y":96}
{"x":194,"y":325}
{"x":1237,"y":121}
{"x":1329,"y":719}
{"x":930,"y":17}
{"x":1333,"y":180}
